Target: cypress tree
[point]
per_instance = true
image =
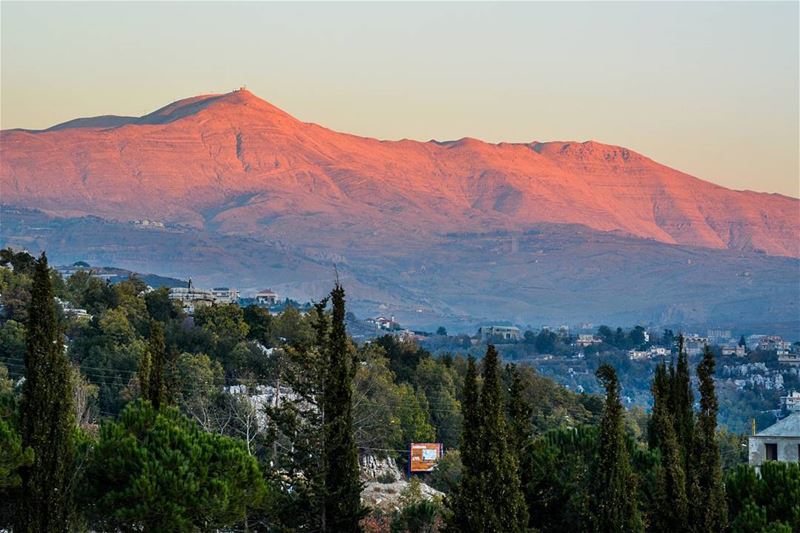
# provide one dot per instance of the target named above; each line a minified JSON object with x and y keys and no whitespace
{"x":156,"y":390}
{"x":342,"y":507}
{"x":143,"y":373}
{"x":613,"y":501}
{"x":507,"y":510}
{"x":661,"y":405}
{"x":670,"y":512}
{"x":708,"y":494}
{"x":47,"y":416}
{"x":519,"y":414}
{"x":681,"y":400}
{"x":467,"y":499}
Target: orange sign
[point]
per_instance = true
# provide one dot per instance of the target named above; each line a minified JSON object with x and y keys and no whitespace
{"x":424,"y":456}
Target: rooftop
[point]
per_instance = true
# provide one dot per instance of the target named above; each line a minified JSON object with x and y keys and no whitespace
{"x":787,"y":427}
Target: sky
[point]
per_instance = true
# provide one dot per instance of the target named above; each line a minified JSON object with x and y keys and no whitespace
{"x":709,"y":88}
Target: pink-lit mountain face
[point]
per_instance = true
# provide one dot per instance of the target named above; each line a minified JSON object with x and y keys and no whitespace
{"x":238,"y":165}
{"x":455,"y":233}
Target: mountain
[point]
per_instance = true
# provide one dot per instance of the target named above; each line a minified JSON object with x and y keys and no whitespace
{"x":233,"y":168}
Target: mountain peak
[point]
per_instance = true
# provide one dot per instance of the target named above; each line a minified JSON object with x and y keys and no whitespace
{"x":253,"y":164}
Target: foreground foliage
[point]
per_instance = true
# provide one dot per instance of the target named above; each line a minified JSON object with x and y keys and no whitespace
{"x":156,"y":470}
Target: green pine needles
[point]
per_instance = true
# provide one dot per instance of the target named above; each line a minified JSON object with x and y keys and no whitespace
{"x":47,"y":416}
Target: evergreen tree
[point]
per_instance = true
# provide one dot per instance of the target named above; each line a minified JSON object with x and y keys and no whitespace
{"x":681,"y":401}
{"x":520,"y":425}
{"x":613,"y":502}
{"x":156,"y":389}
{"x":342,"y":510}
{"x":661,"y":405}
{"x":47,"y":416}
{"x":670,"y":505}
{"x":500,"y":470}
{"x":467,"y":499}
{"x":143,"y":371}
{"x":708,"y":495}
{"x":156,"y":470}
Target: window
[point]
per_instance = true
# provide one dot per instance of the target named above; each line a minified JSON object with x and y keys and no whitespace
{"x":772,"y":451}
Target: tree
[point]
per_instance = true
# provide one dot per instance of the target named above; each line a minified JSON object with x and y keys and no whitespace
{"x":259,"y":324}
{"x":342,"y":510}
{"x":519,"y":413}
{"x":613,"y":501}
{"x":156,"y":470}
{"x":47,"y":417}
{"x":708,"y":495}
{"x":764,"y":500}
{"x":441,"y":331}
{"x":12,"y":459}
{"x":671,"y":506}
{"x":681,"y":401}
{"x":507,"y":510}
{"x":546,"y":341}
{"x":742,"y":341}
{"x":467,"y":501}
{"x":157,"y":351}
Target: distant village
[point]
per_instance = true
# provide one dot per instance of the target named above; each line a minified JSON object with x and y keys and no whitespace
{"x":761,"y":364}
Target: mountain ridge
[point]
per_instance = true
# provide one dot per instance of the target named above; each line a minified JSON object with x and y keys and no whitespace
{"x":236,"y":163}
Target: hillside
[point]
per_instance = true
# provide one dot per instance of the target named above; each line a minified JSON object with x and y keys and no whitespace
{"x":237,"y":164}
{"x":435,"y":232}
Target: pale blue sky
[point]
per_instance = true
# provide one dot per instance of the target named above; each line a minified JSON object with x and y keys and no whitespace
{"x":708,"y":88}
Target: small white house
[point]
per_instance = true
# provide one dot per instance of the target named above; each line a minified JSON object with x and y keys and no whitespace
{"x":266,"y":297}
{"x":779,"y":442}
{"x":507,"y":333}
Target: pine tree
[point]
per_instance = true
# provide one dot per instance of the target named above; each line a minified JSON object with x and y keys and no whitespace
{"x":613,"y":502}
{"x":47,"y":416}
{"x":156,"y":390}
{"x":342,"y":510}
{"x":670,"y":512}
{"x":708,"y":495}
{"x":500,"y":469}
{"x":466,"y":502}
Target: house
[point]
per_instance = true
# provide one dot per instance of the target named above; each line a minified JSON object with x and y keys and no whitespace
{"x":224,"y":295}
{"x":191,"y":297}
{"x":638,"y":355}
{"x":587,"y":340}
{"x":381,"y":322}
{"x":770,"y":343}
{"x":779,"y":442}
{"x":738,"y":351}
{"x":266,"y":297}
{"x":791,"y":401}
{"x":503,"y":333}
{"x":694,"y":344}
{"x":791,"y":360}
{"x":718,"y":336}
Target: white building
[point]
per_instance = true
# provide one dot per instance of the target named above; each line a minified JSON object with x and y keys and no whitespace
{"x":585,"y":339}
{"x":694,"y":344}
{"x":266,"y":297}
{"x":506,"y":333}
{"x":791,"y":401}
{"x":224,"y":295}
{"x":738,"y":351}
{"x":779,"y":442}
{"x":191,"y":297}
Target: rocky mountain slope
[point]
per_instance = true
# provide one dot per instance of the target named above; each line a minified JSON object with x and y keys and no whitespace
{"x":237,"y":164}
{"x":435,"y":232}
